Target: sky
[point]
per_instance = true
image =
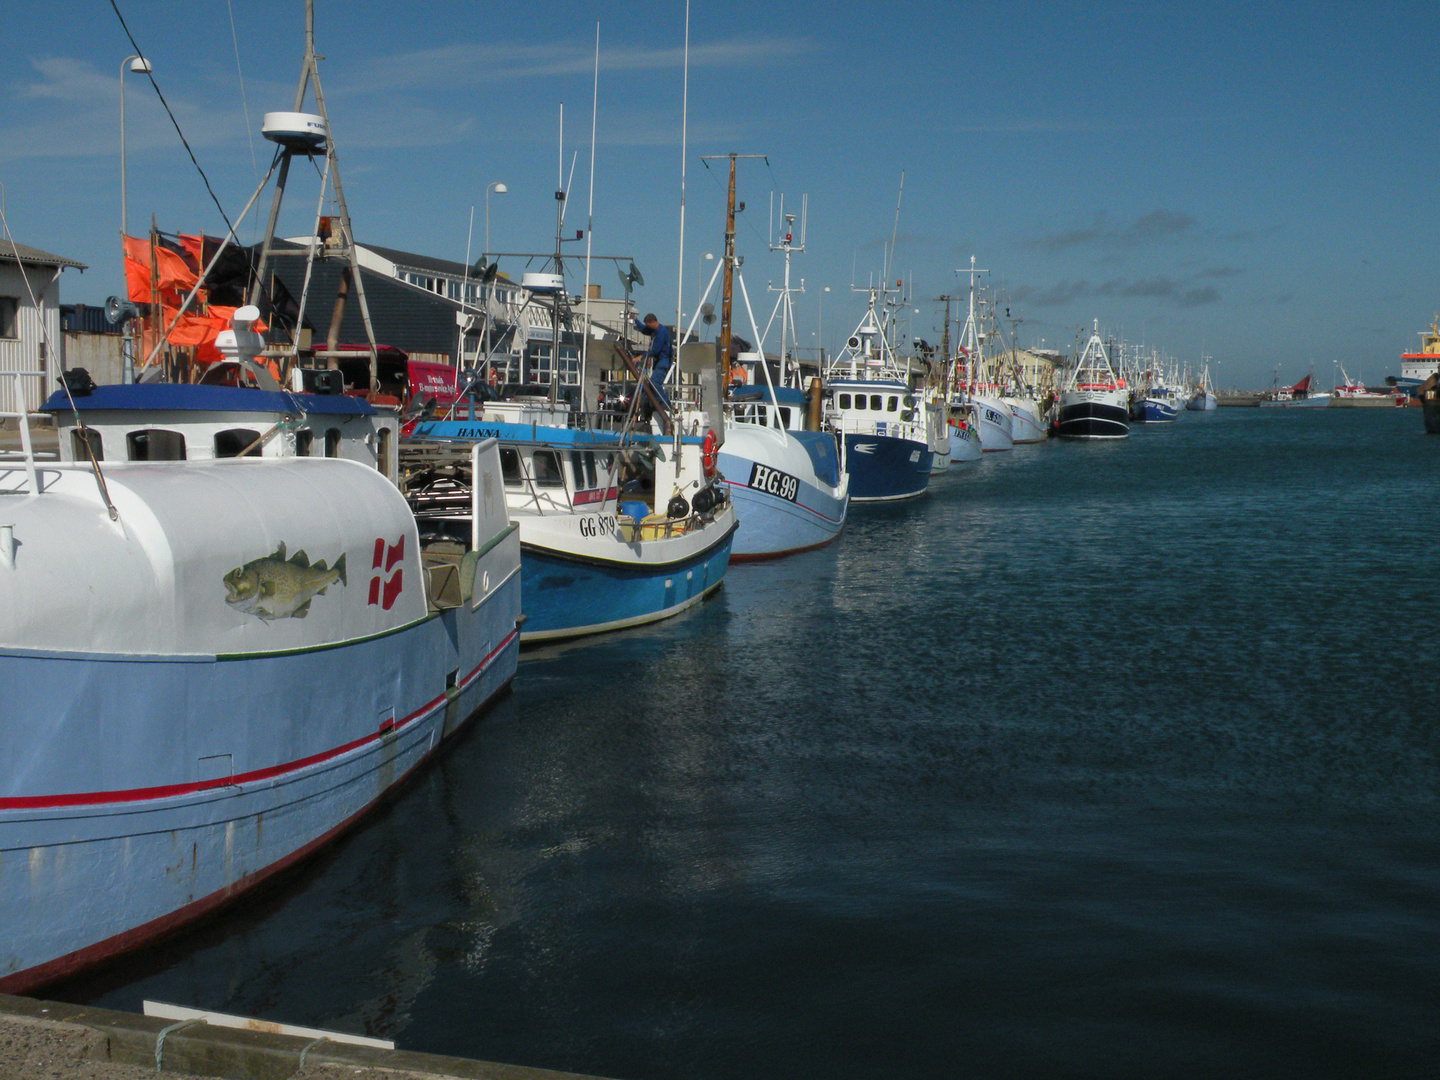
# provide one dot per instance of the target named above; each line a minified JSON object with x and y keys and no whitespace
{"x":1253,"y":183}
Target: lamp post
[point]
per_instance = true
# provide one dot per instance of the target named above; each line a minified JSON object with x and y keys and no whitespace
{"x":820,"y":324}
{"x":709,"y":256}
{"x":138,"y":64}
{"x":499,"y":189}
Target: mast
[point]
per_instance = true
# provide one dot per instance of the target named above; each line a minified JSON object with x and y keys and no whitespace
{"x":341,"y":242}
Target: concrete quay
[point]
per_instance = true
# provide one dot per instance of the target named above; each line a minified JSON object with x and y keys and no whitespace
{"x":48,"y":1040}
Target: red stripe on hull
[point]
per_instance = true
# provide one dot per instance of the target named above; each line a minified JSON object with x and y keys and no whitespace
{"x":61,"y":967}
{"x":168,"y":791}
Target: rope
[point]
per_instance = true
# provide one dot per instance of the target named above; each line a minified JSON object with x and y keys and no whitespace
{"x":160,"y":1039}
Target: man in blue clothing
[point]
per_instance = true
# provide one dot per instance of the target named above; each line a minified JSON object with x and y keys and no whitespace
{"x":661,"y":355}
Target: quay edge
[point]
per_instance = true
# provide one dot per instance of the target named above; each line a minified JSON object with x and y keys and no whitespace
{"x":84,"y":1042}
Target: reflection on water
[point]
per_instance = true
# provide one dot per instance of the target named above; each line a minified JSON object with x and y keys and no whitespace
{"x":1096,"y":761}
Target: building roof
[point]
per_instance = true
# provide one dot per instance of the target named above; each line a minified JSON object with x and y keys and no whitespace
{"x":24,"y":253}
{"x":412,"y":261}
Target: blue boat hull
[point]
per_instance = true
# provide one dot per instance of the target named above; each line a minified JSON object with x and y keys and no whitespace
{"x":1158,"y":412}
{"x":568,"y":596}
{"x":216,"y":773}
{"x":884,"y":469}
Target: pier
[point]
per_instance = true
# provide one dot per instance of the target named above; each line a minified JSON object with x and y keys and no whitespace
{"x":51,"y":1039}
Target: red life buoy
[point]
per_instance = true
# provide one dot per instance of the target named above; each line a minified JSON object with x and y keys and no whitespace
{"x":709,"y":452}
{"x":494,"y":378}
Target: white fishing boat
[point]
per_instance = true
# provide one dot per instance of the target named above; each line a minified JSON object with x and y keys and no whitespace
{"x":974,"y":381}
{"x":1203,"y":398}
{"x":224,"y":637}
{"x":1354,"y":394}
{"x":778,"y":459}
{"x":1094,"y":401}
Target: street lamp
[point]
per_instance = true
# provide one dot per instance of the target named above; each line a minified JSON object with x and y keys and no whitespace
{"x":138,"y":64}
{"x":709,"y":256}
{"x":499,"y":189}
{"x":820,"y":323}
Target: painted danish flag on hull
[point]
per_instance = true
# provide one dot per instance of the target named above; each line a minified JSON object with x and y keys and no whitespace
{"x":384,"y":590}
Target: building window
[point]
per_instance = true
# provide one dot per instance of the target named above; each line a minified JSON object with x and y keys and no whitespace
{"x":9,"y":324}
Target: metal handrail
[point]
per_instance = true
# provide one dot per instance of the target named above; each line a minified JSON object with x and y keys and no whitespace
{"x":27,"y":449}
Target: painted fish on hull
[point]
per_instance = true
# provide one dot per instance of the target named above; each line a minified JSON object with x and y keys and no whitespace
{"x":279,"y":588}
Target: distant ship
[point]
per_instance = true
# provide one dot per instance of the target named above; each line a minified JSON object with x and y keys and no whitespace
{"x":1416,"y":367}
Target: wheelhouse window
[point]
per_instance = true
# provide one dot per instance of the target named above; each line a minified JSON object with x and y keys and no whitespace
{"x":155,"y":444}
{"x":875,"y":405}
{"x":510,"y":466}
{"x":892,"y":403}
{"x":304,"y":439}
{"x":332,"y":442}
{"x":237,"y":441}
{"x":547,"y":469}
{"x":384,"y":453}
{"x":79,"y":437}
{"x":844,"y":401}
{"x":582,"y":465}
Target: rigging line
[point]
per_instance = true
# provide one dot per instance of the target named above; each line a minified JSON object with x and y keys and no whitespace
{"x":156,"y":86}
{"x":45,"y":340}
{"x":244,"y":101}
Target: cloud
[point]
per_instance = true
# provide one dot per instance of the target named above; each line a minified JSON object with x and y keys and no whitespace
{"x":1157,"y":226}
{"x":474,"y":64}
{"x":1171,"y":290}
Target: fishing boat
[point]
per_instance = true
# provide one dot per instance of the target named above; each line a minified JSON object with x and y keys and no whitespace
{"x":870,"y":403}
{"x":615,"y":530}
{"x":1161,"y":403}
{"x":1299,"y":396}
{"x":224,"y":636}
{"x":1026,"y":426}
{"x":1203,"y":399}
{"x":974,"y":378}
{"x":1093,"y":403}
{"x":790,"y":489}
{"x":1354,"y":394}
{"x":778,"y":459}
{"x":964,"y":424}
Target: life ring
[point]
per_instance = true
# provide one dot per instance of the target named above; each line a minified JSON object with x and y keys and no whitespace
{"x":709,"y":452}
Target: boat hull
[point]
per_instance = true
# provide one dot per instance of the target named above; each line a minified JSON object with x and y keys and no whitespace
{"x":1158,"y":411}
{"x":886,"y":469}
{"x":789,"y":492}
{"x":1026,"y":425}
{"x":581,"y":589}
{"x":997,"y":425}
{"x":1092,"y":415}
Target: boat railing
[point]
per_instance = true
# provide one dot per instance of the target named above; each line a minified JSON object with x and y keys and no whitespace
{"x":25,"y":452}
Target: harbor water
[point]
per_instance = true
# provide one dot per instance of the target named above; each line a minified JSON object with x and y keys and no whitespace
{"x":1110,"y":760}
